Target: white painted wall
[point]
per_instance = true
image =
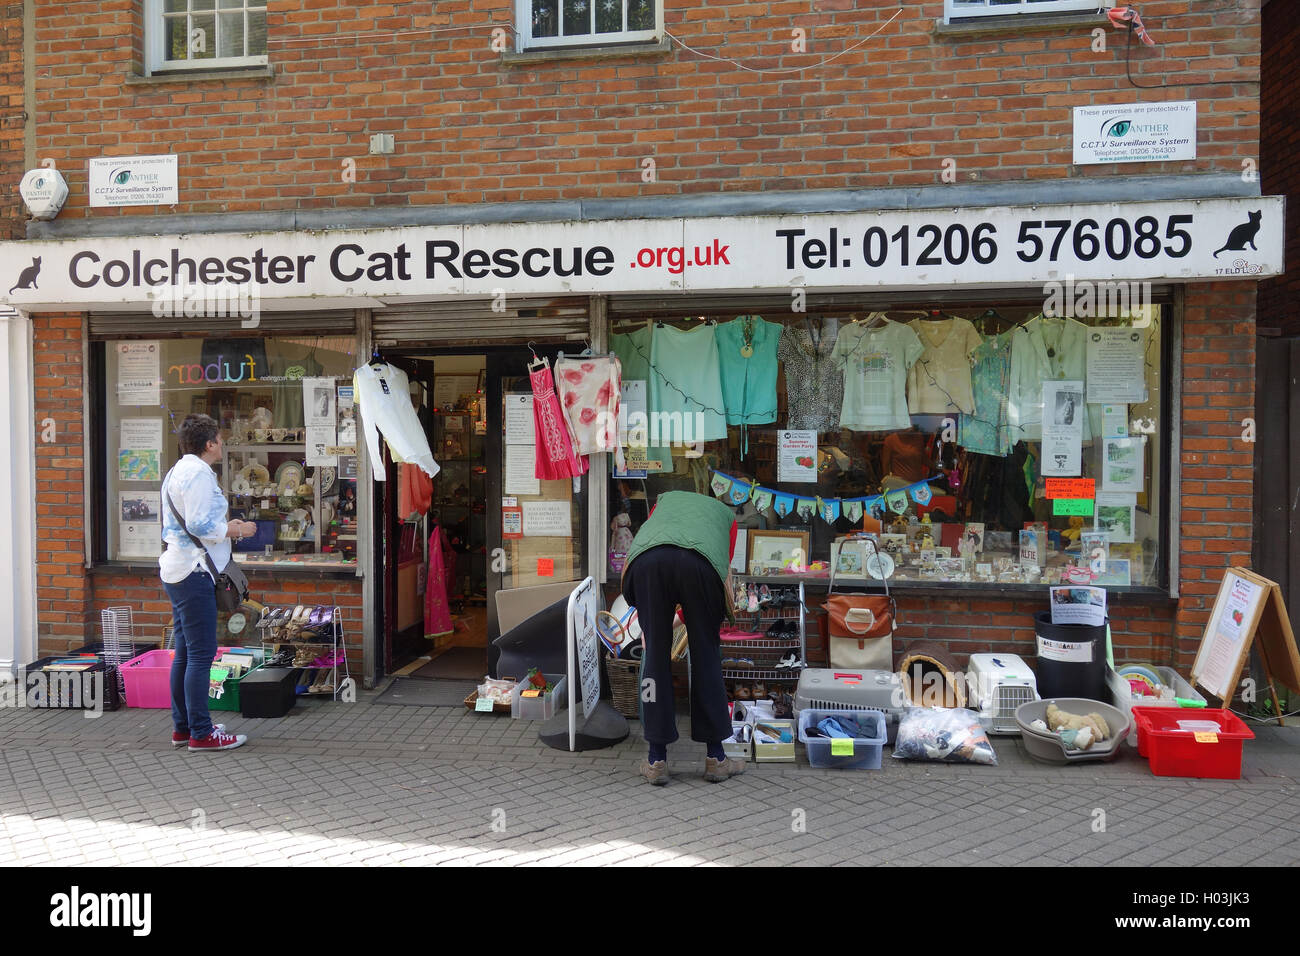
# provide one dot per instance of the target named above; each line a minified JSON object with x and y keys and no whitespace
{"x":17,"y":494}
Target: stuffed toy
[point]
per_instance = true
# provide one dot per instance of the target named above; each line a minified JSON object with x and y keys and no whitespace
{"x":620,"y":542}
{"x":1058,"y":720}
{"x":1072,"y":533}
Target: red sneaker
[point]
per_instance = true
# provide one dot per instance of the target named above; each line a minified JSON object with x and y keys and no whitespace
{"x":180,"y":740}
{"x":218,"y":740}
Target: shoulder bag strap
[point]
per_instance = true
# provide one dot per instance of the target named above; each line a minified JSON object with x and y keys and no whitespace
{"x":212,"y":565}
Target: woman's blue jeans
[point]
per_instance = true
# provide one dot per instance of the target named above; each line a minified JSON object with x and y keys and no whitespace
{"x":194,"y":611}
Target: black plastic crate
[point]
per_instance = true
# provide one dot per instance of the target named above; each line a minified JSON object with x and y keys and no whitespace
{"x":68,"y":690}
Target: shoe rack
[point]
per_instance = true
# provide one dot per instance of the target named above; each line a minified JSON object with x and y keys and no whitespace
{"x":280,"y":633}
{"x":788,"y":622}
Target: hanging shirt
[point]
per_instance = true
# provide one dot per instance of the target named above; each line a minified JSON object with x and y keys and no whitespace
{"x":589,"y":389}
{"x":192,"y":487}
{"x":414,"y":491}
{"x":686,"y":384}
{"x":875,"y":362}
{"x":1031,"y":364}
{"x":939,"y":383}
{"x":633,"y":351}
{"x":985,"y":431}
{"x":814,"y":384}
{"x":383,"y":400}
{"x":748,"y":381}
{"x":286,"y":395}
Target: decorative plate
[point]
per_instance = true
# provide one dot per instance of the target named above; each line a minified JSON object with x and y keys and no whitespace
{"x":880,"y":565}
{"x":328,"y":476}
{"x":255,"y":474}
{"x":288,"y":477}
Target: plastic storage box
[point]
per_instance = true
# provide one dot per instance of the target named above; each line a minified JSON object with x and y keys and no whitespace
{"x":1168,"y":737}
{"x":539,"y":708}
{"x":147,"y":678}
{"x":1124,"y":699}
{"x":866,"y":751}
{"x":829,"y":688}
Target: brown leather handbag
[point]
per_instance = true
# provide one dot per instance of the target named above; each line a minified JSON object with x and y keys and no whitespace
{"x":859,"y":629}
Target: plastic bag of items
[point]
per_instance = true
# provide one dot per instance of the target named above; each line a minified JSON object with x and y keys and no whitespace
{"x":951,"y":735}
{"x":497,"y":691}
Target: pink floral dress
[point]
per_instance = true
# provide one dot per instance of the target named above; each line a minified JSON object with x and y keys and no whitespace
{"x":555,"y":457}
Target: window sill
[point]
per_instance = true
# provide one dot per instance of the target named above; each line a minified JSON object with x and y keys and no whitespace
{"x":1120,"y":597}
{"x":612,"y":52}
{"x":1038,"y":22}
{"x":200,"y":76}
{"x":253,"y":572}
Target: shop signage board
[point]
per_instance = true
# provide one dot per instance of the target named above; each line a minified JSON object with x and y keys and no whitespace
{"x":134,"y":181}
{"x":1079,"y":247}
{"x":1247,"y":604}
{"x":1134,"y":132}
{"x":583,"y":654}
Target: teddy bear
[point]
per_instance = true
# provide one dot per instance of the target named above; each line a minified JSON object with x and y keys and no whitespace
{"x":620,"y":542}
{"x":1059,"y":720}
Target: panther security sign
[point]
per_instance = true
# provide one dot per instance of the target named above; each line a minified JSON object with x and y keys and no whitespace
{"x":1136,"y":133}
{"x":134,"y":181}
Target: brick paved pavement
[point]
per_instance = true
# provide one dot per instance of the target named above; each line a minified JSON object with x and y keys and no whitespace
{"x":380,"y":784}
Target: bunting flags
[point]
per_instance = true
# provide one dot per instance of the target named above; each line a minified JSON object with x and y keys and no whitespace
{"x":737,"y":491}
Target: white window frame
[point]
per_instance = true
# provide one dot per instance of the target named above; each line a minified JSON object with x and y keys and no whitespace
{"x":952,"y":10}
{"x":156,"y":46}
{"x":526,"y":40}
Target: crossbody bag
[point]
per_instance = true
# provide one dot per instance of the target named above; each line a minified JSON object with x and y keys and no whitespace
{"x":230,"y":584}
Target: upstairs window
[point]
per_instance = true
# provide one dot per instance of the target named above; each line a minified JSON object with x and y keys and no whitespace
{"x":958,"y":10}
{"x":571,"y":23}
{"x":205,"y":34}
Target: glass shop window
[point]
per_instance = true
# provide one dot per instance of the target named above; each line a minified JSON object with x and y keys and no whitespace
{"x":287,"y":418}
{"x":969,"y":446}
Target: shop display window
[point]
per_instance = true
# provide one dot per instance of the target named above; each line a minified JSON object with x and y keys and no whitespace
{"x":290,"y":433}
{"x":971,"y":446}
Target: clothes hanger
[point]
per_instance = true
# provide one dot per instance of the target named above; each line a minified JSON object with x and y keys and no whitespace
{"x":375,"y":357}
{"x":994,"y":314}
{"x":536,"y":363}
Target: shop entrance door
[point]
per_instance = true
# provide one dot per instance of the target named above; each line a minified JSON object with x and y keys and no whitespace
{"x":503,"y":528}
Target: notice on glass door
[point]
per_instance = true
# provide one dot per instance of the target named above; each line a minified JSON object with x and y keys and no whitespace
{"x":520,"y":429}
{"x":548,"y":519}
{"x":138,"y":373}
{"x":521,"y":471}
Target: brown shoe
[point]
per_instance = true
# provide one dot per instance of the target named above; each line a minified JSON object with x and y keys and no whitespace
{"x":716,"y":771}
{"x":656,"y":774}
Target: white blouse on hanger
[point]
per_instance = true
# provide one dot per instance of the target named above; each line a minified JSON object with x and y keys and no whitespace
{"x":383,"y":400}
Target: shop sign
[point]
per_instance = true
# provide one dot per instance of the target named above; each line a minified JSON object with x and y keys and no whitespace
{"x":1135,"y":133}
{"x":134,"y":181}
{"x":1103,"y":243}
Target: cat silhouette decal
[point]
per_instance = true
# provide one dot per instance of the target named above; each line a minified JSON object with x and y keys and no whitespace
{"x":1243,"y":235}
{"x":27,"y":278}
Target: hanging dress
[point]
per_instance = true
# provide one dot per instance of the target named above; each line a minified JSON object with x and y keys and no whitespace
{"x":590,"y":388}
{"x":555,"y":458}
{"x":439,"y":585}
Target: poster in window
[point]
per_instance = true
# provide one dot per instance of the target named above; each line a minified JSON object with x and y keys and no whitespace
{"x":1115,"y":360}
{"x":1063,"y":415}
{"x":796,"y":459}
{"x":320,"y":412}
{"x":140,"y":450}
{"x":1123,"y":464}
{"x":139,"y":373}
{"x":347,"y":427}
{"x":1115,"y":514}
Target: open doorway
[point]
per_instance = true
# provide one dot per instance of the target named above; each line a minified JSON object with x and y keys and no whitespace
{"x":483,"y":524}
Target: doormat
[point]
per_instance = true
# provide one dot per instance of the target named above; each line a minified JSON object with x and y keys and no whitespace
{"x":413,"y":692}
{"x":457,"y":663}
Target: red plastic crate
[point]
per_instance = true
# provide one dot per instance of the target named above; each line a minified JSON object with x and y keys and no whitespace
{"x":1177,"y":753}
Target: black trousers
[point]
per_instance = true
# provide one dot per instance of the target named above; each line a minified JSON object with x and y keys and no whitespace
{"x":658,"y":581}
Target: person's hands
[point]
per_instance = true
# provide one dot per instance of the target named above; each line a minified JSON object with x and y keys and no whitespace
{"x":241,"y":529}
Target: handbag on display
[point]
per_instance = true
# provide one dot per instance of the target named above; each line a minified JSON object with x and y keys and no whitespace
{"x":230,"y":584}
{"x":859,"y":628}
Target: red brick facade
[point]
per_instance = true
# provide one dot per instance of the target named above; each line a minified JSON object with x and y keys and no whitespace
{"x":472,"y":127}
{"x":12,"y":113}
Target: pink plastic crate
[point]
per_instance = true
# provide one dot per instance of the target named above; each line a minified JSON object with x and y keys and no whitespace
{"x":148,"y":678}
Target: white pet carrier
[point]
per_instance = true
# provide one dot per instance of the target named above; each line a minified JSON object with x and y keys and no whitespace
{"x":996,"y":685}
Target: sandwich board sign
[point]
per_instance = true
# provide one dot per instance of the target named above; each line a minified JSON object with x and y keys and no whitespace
{"x":583,"y":642}
{"x":1247,"y":605}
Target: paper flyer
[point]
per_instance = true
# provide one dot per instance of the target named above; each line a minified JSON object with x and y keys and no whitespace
{"x":548,"y":519}
{"x":520,"y":428}
{"x":1114,"y":421}
{"x":347,"y":430}
{"x":1231,"y":614}
{"x":139,"y":456}
{"x":1063,"y":412}
{"x":1122,"y":464}
{"x":1115,"y":360}
{"x":319,"y":403}
{"x":521,"y":471}
{"x":1115,"y":514}
{"x":796,"y":456}
{"x":139,"y":524}
{"x":139,"y":373}
{"x":1078,"y":605}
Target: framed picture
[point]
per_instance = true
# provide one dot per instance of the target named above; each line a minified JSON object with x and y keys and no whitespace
{"x":779,"y":548}
{"x":849,"y":556}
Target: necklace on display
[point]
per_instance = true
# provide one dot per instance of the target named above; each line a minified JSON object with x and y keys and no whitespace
{"x":747,"y":330}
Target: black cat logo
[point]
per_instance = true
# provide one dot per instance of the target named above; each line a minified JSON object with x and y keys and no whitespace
{"x":27,"y":279}
{"x":1243,"y":235}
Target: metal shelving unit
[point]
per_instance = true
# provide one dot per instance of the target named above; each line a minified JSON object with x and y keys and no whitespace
{"x":766,"y":652}
{"x":270,"y":646}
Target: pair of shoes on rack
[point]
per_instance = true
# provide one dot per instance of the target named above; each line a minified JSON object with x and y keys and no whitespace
{"x":782,"y":631}
{"x":790,"y":662}
{"x":737,"y":662}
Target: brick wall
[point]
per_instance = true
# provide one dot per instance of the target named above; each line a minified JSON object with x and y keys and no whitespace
{"x":1279,"y":136}
{"x":472,"y":128}
{"x":12,"y":214}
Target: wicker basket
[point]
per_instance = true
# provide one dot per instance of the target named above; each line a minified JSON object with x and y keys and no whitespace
{"x":625,"y":685}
